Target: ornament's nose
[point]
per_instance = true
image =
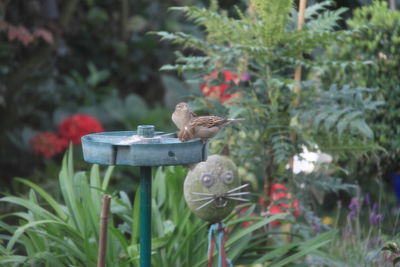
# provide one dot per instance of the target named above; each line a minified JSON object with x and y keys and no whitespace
{"x":220,"y":201}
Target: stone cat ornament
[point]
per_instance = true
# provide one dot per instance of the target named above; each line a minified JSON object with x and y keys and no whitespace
{"x":212,"y":187}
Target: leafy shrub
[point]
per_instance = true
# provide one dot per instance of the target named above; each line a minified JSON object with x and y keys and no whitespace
{"x":263,"y":43}
{"x":61,"y":58}
{"x":49,"y":233}
{"x":371,"y":46}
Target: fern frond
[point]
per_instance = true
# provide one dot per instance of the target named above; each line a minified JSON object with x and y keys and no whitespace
{"x":340,"y":110}
{"x":274,"y":15}
{"x":219,"y":27}
{"x":282,"y":147}
{"x":326,"y":21}
{"x":190,"y":63}
{"x":378,"y":14}
{"x":314,"y":10}
{"x":184,"y":39}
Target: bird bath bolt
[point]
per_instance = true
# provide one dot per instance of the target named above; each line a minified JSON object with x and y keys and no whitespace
{"x":143,"y":148}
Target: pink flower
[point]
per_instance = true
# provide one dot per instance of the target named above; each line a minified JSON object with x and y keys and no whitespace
{"x":46,"y":35}
{"x":48,"y":144}
{"x":78,"y":125}
{"x":21,"y":34}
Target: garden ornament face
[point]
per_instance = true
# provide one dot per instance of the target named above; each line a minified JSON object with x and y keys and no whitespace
{"x":212,"y":188}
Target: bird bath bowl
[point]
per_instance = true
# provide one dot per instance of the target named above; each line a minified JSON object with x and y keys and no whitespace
{"x":129,"y":148}
{"x":144,"y":148}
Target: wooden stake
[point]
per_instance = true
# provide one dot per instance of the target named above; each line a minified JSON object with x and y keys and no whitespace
{"x":296,"y":89}
{"x":302,"y":10}
{"x":300,"y":22}
{"x":101,"y":256}
{"x":297,"y":73}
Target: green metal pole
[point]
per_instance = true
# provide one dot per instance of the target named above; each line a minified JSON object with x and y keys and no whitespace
{"x":145,"y":216}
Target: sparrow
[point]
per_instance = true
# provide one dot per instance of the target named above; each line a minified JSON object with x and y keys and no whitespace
{"x":203,"y":127}
{"x":182,"y":115}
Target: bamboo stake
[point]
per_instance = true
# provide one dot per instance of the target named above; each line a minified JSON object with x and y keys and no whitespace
{"x":296,"y":89}
{"x":300,"y":23}
{"x":101,"y":256}
{"x":297,"y":73}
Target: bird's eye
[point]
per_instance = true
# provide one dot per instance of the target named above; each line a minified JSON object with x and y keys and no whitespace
{"x":227,"y":176}
{"x":207,"y":180}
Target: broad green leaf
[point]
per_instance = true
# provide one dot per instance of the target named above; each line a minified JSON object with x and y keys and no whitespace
{"x":50,"y":200}
{"x":135,"y":218}
{"x":107,"y":178}
{"x":12,"y":259}
{"x":363,"y":128}
{"x":300,"y":254}
{"x":25,"y":227}
{"x":245,"y":231}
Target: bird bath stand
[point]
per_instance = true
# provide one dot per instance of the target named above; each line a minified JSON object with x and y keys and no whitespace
{"x":143,"y":148}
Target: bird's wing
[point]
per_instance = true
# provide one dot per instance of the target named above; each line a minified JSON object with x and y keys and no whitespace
{"x":207,"y":121}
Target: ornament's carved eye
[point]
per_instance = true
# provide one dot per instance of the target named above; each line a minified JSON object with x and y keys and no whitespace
{"x":227,"y":176}
{"x":207,"y":180}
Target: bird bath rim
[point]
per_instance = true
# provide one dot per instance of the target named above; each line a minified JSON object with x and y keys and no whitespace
{"x":160,"y":150}
{"x":110,"y":138}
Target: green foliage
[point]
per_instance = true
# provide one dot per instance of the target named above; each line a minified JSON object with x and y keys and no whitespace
{"x":49,"y":233}
{"x":321,"y":18}
{"x":325,"y":116}
{"x":273,"y":16}
{"x":99,"y":53}
{"x":344,"y":108}
{"x":279,"y":123}
{"x":258,"y":34}
{"x":52,"y":234}
{"x":372,"y":44}
{"x":377,"y":14}
{"x":361,"y":238}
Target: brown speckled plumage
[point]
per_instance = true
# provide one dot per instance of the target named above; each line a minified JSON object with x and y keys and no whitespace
{"x":204,"y":127}
{"x":191,"y":126}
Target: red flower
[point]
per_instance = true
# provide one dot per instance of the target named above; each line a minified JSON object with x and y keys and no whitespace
{"x":78,"y":125}
{"x":48,"y":144}
{"x":261,"y":201}
{"x":219,"y":90}
{"x":280,"y":191}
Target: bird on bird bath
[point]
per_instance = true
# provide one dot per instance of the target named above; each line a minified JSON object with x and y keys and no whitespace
{"x":192,"y":126}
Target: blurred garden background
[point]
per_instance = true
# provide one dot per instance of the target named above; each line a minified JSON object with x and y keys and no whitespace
{"x":323,"y":148}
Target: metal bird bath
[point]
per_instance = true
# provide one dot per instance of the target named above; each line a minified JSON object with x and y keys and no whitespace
{"x":144,"y":148}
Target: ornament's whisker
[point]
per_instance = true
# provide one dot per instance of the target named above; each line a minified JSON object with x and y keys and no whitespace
{"x":237,"y":198}
{"x":202,"y":194}
{"x":237,"y":194}
{"x":201,"y":199}
{"x":205,"y":204}
{"x":237,"y":188}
